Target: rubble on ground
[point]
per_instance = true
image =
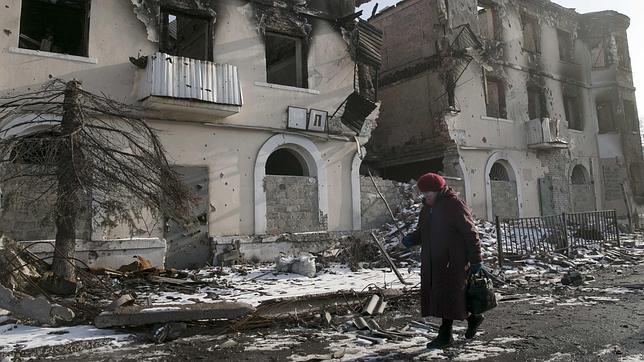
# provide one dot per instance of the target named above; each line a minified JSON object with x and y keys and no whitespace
{"x":343,"y":288}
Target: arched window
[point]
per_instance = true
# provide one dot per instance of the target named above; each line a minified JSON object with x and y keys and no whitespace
{"x":498,"y":172}
{"x":286,"y":162}
{"x":579,"y":176}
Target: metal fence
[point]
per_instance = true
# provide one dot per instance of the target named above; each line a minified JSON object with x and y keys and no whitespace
{"x":557,"y":233}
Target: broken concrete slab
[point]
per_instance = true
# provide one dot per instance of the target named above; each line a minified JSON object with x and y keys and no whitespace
{"x":139,"y":316}
{"x":39,"y":309}
{"x":310,"y":304}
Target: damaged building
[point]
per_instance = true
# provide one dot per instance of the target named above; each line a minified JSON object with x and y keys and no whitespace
{"x":262,"y":106}
{"x":530,"y":106}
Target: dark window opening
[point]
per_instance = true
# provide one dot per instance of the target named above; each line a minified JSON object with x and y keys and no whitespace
{"x":286,"y":163}
{"x":566,"y":45}
{"x":630,"y":115}
{"x":487,"y":17}
{"x":285,"y":60}
{"x":573,"y":113}
{"x":495,"y":98}
{"x":598,"y":54}
{"x":579,"y":176}
{"x":37,"y":149}
{"x":531,"y":34}
{"x":55,"y":26}
{"x":185,"y":36}
{"x":623,"y":56}
{"x":498,"y":172}
{"x":536,"y":103}
{"x":605,"y":116}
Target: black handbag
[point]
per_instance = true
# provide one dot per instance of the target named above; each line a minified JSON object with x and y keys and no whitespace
{"x":480,"y":295}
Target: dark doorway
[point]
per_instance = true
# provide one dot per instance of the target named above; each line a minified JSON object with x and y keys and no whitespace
{"x":185,"y":35}
{"x":285,"y":162}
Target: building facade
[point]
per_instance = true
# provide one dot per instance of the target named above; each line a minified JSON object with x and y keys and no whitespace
{"x":251,"y":100}
{"x":531,"y":105}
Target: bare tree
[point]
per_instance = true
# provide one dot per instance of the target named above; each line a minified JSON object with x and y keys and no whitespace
{"x":95,"y":156}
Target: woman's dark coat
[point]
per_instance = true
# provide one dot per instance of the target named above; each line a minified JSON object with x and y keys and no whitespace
{"x":450,"y":242}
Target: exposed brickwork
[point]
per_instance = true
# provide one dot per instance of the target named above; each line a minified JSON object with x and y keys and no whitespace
{"x":22,"y":218}
{"x":292,"y":204}
{"x":583,"y":198}
{"x":504,"y":199}
{"x":557,"y":161}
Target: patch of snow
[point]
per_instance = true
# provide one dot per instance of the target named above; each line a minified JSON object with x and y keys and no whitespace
{"x":159,"y":309}
{"x":21,"y":337}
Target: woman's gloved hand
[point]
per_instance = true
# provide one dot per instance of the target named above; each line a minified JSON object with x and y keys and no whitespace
{"x":475,"y":268}
{"x":408,"y":241}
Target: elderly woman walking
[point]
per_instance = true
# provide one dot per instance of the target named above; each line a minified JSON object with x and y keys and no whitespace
{"x":451,"y":251}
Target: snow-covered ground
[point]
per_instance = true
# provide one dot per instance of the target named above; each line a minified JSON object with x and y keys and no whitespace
{"x":258,"y":284}
{"x":14,"y":337}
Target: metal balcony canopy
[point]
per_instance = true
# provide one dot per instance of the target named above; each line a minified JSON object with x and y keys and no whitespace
{"x":181,"y":77}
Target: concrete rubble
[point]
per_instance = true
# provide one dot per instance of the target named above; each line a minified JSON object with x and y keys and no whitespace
{"x":347,"y":288}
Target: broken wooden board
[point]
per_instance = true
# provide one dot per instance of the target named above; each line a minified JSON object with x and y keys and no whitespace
{"x":139,"y":316}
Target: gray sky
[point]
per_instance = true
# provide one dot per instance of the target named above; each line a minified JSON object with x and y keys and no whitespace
{"x":632,"y":8}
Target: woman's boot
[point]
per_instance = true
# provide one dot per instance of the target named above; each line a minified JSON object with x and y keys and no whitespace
{"x":444,"y":338}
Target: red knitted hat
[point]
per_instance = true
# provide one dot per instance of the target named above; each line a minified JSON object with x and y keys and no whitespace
{"x":430,"y":182}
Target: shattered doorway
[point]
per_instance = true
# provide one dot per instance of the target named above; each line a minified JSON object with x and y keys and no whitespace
{"x":503,"y":191}
{"x":582,"y":190}
{"x":188,"y":245}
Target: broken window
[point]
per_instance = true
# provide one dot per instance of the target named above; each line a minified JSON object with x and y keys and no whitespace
{"x":536,"y":103}
{"x":623,"y":57}
{"x":566,"y":45}
{"x":487,"y":21}
{"x":605,"y":116}
{"x":531,"y":34}
{"x":579,"y":176}
{"x":630,"y":115}
{"x":55,"y":26}
{"x":287,"y":163}
{"x":498,"y":172}
{"x":185,"y":35}
{"x":494,"y":98}
{"x":285,"y":61}
{"x":598,"y":53}
{"x":573,"y":112}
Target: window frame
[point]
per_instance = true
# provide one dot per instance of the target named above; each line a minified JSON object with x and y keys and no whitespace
{"x":502,"y":102}
{"x":164,"y":31}
{"x":570,"y":42}
{"x":84,"y":46}
{"x":541,"y":103}
{"x":578,"y":118}
{"x":525,"y":19}
{"x":301,"y":66}
{"x":613,"y":125}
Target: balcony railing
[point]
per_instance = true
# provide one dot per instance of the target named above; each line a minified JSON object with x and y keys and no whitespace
{"x":544,"y":133}
{"x":169,"y":82}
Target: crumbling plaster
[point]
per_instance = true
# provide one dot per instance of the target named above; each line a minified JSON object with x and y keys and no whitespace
{"x":409,"y":74}
{"x":228,"y":147}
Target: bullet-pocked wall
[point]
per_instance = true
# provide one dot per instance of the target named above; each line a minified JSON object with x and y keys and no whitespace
{"x":228,"y":147}
{"x":535,"y":64}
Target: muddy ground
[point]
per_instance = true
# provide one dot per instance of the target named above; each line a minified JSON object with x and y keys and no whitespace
{"x":592,"y":322}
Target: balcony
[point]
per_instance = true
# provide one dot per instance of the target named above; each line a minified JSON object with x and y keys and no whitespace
{"x":544,"y":133}
{"x":179,"y":85}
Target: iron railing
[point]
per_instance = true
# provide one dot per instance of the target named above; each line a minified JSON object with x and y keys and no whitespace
{"x":557,"y":233}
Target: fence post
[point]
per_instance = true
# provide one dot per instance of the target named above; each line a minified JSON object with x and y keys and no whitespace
{"x":616,"y":227}
{"x":565,"y":234}
{"x":498,"y":242}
